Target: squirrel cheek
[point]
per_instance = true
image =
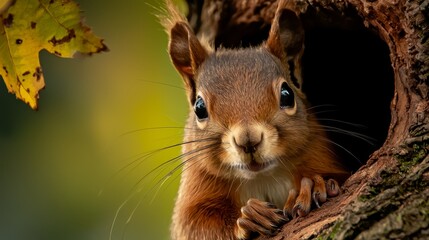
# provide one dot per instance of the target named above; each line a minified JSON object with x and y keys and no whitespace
{"x":231,"y":153}
{"x":269,"y":146}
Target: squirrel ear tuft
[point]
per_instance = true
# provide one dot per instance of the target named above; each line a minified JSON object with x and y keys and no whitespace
{"x":286,"y":37}
{"x":185,"y":50}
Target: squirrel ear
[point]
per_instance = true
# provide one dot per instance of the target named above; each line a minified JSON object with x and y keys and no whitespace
{"x":185,"y":50}
{"x":286,"y":37}
{"x":286,"y":40}
{"x":187,"y":54}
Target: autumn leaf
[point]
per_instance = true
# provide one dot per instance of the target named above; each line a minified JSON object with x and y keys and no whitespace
{"x":27,"y":27}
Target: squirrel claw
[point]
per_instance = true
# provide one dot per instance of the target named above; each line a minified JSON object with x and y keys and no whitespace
{"x":314,"y":189}
{"x":303,"y":201}
{"x":316,"y":196}
{"x":332,"y":188}
{"x":289,"y":205}
{"x":259,"y":218}
{"x":296,"y":211}
{"x":319,"y":190}
{"x":300,"y":210}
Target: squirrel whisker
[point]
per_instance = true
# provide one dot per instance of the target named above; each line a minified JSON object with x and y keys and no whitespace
{"x":191,"y":155}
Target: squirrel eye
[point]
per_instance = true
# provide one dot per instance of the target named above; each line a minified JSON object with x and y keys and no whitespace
{"x":286,"y":96}
{"x":200,"y":109}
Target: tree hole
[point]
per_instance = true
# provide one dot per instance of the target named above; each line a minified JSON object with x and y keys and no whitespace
{"x":348,"y":79}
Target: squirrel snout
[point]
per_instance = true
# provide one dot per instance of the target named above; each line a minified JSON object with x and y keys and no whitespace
{"x":248,"y":147}
{"x":247,"y":140}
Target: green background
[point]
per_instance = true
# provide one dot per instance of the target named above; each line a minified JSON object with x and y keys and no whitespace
{"x":60,"y":166}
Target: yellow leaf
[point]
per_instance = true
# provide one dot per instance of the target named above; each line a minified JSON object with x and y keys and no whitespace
{"x":29,"y":26}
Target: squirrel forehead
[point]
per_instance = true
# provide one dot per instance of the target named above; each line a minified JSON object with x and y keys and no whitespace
{"x":238,"y":84}
{"x":229,"y":70}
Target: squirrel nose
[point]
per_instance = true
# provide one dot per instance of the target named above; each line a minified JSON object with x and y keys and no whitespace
{"x":249,"y":147}
{"x":246,"y":144}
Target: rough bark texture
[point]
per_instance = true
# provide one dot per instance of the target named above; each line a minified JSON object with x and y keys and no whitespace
{"x":388,"y":197}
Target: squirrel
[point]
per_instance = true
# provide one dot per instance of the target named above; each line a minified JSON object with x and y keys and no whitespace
{"x":254,"y":155}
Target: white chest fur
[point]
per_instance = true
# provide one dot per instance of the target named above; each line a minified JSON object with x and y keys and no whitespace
{"x":271,"y":188}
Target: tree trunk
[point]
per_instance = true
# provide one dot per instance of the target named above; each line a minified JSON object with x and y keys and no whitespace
{"x":388,"y":196}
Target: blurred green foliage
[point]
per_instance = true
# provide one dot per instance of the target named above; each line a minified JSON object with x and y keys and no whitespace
{"x":62,"y":172}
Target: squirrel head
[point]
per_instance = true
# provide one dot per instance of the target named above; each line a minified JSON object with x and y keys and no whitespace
{"x":247,"y":103}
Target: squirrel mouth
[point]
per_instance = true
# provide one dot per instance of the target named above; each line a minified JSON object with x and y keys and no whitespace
{"x":254,"y":166}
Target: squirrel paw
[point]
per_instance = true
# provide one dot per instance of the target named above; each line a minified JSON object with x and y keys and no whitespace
{"x":323,"y":190}
{"x":259,"y":218}
{"x":311,"y":189}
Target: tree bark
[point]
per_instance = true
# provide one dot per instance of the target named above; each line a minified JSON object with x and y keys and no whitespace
{"x":387,"y":197}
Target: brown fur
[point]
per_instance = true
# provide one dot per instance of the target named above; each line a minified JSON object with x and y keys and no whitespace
{"x":248,"y":147}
